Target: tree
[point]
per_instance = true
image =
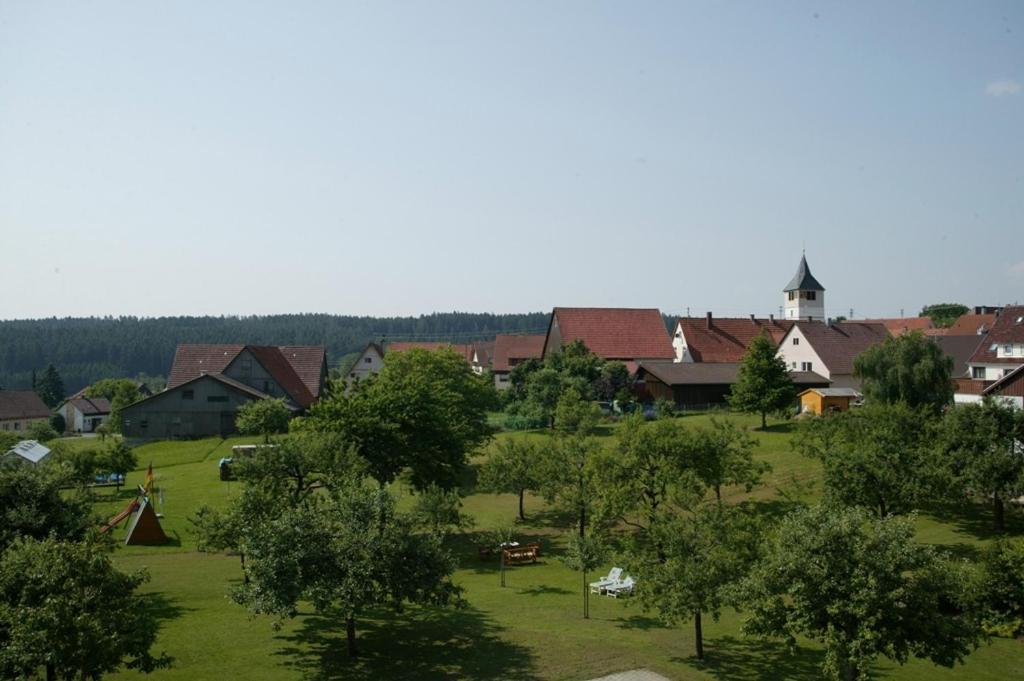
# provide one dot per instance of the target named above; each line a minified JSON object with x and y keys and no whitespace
{"x":264,"y":417}
{"x":862,"y":587}
{"x":723,"y":455}
{"x":701,"y":557}
{"x":224,"y":529}
{"x":877,"y":456}
{"x":347,"y":551}
{"x":512,"y":468}
{"x":58,"y":423}
{"x":32,"y":505}
{"x":41,"y":431}
{"x":50,"y":387}
{"x":613,"y":380}
{"x":944,"y":314}
{"x":1003,"y":587}
{"x":120,"y":392}
{"x":119,"y":459}
{"x":981,"y":445}
{"x":568,"y":482}
{"x":439,"y":511}
{"x":574,"y":415}
{"x":906,"y":368}
{"x":584,"y":554}
{"x":425,"y":412}
{"x":763,"y":384}
{"x":543,"y":390}
{"x":64,"y":606}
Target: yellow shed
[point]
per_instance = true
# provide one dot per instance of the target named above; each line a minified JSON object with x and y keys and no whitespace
{"x":822,"y":400}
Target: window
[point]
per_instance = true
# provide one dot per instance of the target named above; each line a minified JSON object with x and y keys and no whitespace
{"x":188,"y":394}
{"x":812,"y":295}
{"x":368,"y":360}
{"x":17,"y":426}
{"x":246,"y":366}
{"x":144,"y":423}
{"x":792,"y":295}
{"x":502,"y":378}
{"x":1008,"y":350}
{"x":977,"y":372}
{"x":806,"y":366}
{"x":796,"y":341}
{"x":217,"y":398}
{"x":792,"y":365}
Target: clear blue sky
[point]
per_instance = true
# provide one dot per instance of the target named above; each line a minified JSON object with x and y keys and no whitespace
{"x":401,"y":158}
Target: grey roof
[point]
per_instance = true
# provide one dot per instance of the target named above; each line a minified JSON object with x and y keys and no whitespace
{"x":960,"y":349}
{"x":834,"y":392}
{"x":30,"y":450}
{"x":713,"y":373}
{"x":803,"y":280}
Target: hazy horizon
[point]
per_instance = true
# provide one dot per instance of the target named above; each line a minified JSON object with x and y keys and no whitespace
{"x":392,"y":159}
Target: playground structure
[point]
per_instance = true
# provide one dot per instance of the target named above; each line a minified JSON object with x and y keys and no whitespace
{"x":144,"y":525}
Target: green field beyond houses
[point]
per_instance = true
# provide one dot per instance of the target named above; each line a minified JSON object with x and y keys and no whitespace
{"x":530,"y":629}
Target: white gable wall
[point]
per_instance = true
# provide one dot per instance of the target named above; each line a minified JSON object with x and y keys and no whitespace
{"x":796,"y":354}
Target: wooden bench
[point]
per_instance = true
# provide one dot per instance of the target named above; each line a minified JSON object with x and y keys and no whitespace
{"x":520,"y":554}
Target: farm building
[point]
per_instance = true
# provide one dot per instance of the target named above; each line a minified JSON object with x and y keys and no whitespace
{"x":700,"y":385}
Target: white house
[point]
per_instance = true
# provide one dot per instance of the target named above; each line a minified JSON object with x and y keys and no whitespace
{"x":828,"y":348}
{"x":370,"y":361}
{"x":84,"y":414}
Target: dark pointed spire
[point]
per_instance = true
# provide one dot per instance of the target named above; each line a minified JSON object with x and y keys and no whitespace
{"x":803,"y":280}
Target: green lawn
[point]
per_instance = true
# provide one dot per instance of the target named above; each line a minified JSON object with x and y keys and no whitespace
{"x":531,"y":629}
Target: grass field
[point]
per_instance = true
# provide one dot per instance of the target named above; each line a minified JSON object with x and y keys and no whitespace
{"x":531,"y":629}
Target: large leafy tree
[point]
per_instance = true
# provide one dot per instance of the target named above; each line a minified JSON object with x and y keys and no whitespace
{"x":1003,"y":587}
{"x":65,"y":608}
{"x":347,"y":551}
{"x":50,"y":387}
{"x":119,"y":459}
{"x":512,"y":468}
{"x":944,"y":314}
{"x":863,"y":588}
{"x":878,"y":456}
{"x":906,"y":368}
{"x":701,"y":558}
{"x":763,"y":384}
{"x":33,"y":505}
{"x":982,"y":446}
{"x":264,"y":417}
{"x":575,"y":415}
{"x":425,"y":412}
{"x":723,"y":454}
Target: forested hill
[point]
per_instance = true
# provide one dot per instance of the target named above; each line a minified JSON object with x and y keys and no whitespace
{"x":87,"y":349}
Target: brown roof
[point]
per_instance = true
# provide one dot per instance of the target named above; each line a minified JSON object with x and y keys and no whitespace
{"x":1008,"y":328}
{"x":22,"y":404}
{"x":615,"y":333}
{"x":465,"y":350}
{"x":191,"y":360}
{"x":714,"y":373}
{"x":91,"y":406}
{"x":960,"y":349}
{"x":296,"y":368}
{"x":901,"y":325}
{"x":510,"y":350}
{"x":839,"y":343}
{"x":713,"y":339}
{"x":971,"y":324}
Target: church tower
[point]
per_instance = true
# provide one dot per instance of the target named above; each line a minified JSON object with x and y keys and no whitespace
{"x":804,"y":297}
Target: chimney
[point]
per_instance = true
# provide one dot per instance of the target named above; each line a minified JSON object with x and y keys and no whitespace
{"x":707,"y":320}
{"x":753,"y":320}
{"x":771,"y":318}
{"x":977,"y":309}
{"x":810,"y":318}
{"x":828,"y":322}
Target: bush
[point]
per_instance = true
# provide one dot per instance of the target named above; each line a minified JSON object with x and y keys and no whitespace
{"x":58,"y":423}
{"x":1003,"y":583}
{"x":41,"y":431}
{"x":525,"y":416}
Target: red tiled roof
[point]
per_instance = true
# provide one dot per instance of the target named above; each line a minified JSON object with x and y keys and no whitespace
{"x":727,"y":339}
{"x":615,"y":333}
{"x":22,"y":404}
{"x":970,"y":324}
{"x":839,"y":343}
{"x":466,"y":351}
{"x":191,"y":360}
{"x":296,"y":368}
{"x":1008,"y":328}
{"x":510,"y":350}
{"x":901,"y":325}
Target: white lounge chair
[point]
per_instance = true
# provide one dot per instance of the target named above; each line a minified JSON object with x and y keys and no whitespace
{"x":611,"y":578}
{"x":621,"y":588}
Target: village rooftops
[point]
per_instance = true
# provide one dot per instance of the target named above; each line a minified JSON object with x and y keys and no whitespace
{"x":1008,"y":330}
{"x":838,"y":343}
{"x":718,"y":339}
{"x":511,"y":350}
{"x":803,"y":280}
